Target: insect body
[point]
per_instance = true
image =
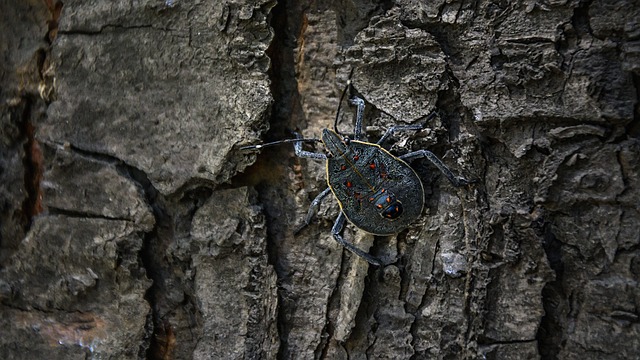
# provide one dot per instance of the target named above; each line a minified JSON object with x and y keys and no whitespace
{"x":377,"y":192}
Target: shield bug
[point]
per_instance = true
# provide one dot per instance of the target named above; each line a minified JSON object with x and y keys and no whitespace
{"x":376,"y":191}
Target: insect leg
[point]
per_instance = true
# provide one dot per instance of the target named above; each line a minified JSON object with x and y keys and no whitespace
{"x":337,"y":227}
{"x":312,"y":208}
{"x":455,"y":180}
{"x":357,"y":133}
{"x":390,"y":131}
{"x":297,"y":146}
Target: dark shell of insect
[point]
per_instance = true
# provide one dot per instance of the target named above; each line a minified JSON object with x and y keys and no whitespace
{"x":377,"y":192}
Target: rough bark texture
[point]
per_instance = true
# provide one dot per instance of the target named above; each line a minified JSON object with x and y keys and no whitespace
{"x":131,"y":226}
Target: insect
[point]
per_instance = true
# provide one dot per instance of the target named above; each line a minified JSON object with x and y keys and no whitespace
{"x":376,"y":191}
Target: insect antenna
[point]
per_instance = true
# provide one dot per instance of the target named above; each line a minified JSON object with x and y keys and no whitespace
{"x":344,"y":92}
{"x":285,"y":141}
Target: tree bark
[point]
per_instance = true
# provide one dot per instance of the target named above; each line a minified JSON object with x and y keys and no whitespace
{"x":133,"y":226}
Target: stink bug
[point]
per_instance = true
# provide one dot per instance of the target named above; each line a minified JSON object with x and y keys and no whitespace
{"x":376,"y":191}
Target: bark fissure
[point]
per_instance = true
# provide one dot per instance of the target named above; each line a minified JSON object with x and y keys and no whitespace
{"x":87,"y":153}
{"x":112,"y":27}
{"x":334,"y":298}
{"x":83,"y":214}
{"x":551,"y":324}
{"x":283,"y":87}
{"x":33,"y":165}
{"x":633,"y":128}
{"x":159,"y":337}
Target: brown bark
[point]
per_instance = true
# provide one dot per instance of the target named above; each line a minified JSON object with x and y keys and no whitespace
{"x":132,"y":226}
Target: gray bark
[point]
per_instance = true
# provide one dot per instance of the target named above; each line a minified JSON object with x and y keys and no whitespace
{"x":132,"y":226}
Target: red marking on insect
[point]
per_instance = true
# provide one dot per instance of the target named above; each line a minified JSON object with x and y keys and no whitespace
{"x":388,"y":199}
{"x":343,"y":167}
{"x":382,"y":191}
{"x":372,"y":166}
{"x":356,"y":157}
{"x":349,"y":184}
{"x":379,"y":206}
{"x":383,"y":175}
{"x":371,"y":199}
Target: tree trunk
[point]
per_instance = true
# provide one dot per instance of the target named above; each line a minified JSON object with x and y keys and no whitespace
{"x":133,"y":226}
